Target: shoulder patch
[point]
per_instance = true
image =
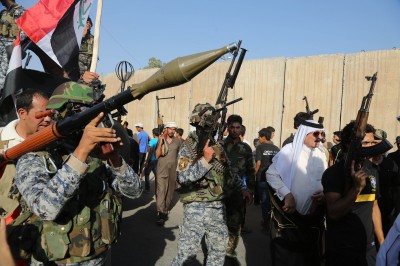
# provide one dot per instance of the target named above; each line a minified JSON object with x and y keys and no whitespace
{"x":183,"y":163}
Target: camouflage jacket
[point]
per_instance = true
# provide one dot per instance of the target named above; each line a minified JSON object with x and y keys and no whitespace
{"x":8,"y":26}
{"x":86,"y":53}
{"x":77,"y":209}
{"x":242,"y":161}
{"x":46,"y":195}
{"x":201,"y":180}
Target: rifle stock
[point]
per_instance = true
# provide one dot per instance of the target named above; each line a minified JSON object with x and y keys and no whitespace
{"x":174,"y":73}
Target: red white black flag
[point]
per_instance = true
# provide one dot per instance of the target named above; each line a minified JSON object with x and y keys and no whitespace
{"x":56,"y":26}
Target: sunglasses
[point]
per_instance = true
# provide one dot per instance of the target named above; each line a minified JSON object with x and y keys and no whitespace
{"x":318,"y":133}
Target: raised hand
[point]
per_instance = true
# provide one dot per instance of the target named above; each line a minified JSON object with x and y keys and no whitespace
{"x":208,"y":152}
{"x":92,"y":136}
{"x":359,"y":177}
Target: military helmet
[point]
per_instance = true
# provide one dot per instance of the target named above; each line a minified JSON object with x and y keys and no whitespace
{"x":71,"y":92}
{"x":202,"y":115}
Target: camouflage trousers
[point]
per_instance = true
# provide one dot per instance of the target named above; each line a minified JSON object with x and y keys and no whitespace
{"x":3,"y":60}
{"x":202,"y":219}
{"x":97,"y":261}
{"x":235,"y":212}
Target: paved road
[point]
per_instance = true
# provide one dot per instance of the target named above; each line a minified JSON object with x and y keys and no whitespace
{"x":143,"y":243}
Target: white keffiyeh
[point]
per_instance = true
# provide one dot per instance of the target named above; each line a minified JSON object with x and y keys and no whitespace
{"x":287,"y":161}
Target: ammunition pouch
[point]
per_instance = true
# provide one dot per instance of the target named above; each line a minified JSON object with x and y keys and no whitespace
{"x":212,"y":186}
{"x":83,"y":236}
{"x":89,"y":222}
{"x":206,"y":189}
{"x":110,"y":215}
{"x":53,"y":242}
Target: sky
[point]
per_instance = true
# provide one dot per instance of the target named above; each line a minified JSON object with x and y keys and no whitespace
{"x":135,"y":31}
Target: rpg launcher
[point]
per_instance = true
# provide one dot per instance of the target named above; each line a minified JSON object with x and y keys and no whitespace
{"x":174,"y":73}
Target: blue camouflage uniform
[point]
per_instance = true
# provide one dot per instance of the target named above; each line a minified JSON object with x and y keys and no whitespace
{"x":203,"y":186}
{"x":86,"y":196}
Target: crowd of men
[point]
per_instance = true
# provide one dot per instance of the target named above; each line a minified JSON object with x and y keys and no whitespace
{"x":63,"y":204}
{"x":313,"y":210}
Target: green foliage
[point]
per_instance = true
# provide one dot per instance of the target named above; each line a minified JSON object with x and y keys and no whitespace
{"x":154,"y":63}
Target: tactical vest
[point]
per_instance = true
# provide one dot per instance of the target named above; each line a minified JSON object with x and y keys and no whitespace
{"x":9,"y":194}
{"x":8,"y":26}
{"x":86,"y":225}
{"x":213,"y":186}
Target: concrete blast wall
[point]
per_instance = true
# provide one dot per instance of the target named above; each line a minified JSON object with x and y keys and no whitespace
{"x":273,"y":91}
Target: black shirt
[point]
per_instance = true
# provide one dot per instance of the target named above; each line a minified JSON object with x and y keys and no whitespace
{"x":264,"y":153}
{"x":389,"y":188}
{"x":337,"y":154}
{"x":354,"y":230}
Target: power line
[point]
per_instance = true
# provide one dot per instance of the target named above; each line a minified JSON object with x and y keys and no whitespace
{"x":120,"y":45}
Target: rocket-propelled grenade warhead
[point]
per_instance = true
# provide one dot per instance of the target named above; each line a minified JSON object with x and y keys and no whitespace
{"x":180,"y":70}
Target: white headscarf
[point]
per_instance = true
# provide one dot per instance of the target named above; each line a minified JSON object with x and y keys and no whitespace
{"x":287,"y":158}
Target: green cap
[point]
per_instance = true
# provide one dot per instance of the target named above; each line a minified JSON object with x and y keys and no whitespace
{"x":70,"y":92}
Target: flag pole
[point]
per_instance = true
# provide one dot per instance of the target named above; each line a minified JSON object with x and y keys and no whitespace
{"x":96,"y":36}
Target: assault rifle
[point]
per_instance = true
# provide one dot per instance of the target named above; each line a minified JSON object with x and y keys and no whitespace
{"x":356,"y":152}
{"x":312,"y":113}
{"x":160,"y":122}
{"x":160,"y":125}
{"x":174,"y":73}
{"x":309,"y":112}
{"x":211,"y":126}
{"x":229,"y":82}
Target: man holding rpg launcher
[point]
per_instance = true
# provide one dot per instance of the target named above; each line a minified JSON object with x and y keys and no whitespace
{"x":74,"y":196}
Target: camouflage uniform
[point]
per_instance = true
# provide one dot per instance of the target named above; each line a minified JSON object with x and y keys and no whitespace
{"x":76,"y":206}
{"x":50,"y":198}
{"x":86,"y":53}
{"x":8,"y":34}
{"x":203,"y":186}
{"x":243,"y":165}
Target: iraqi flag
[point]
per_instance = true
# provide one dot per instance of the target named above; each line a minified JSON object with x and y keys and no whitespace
{"x":56,"y":27}
{"x":12,"y":82}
